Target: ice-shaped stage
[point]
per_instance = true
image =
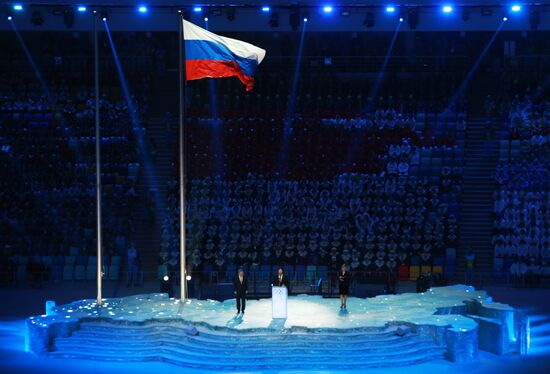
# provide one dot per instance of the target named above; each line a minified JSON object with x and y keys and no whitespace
{"x":448,"y":322}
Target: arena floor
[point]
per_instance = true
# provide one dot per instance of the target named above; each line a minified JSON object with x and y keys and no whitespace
{"x":15,"y":360}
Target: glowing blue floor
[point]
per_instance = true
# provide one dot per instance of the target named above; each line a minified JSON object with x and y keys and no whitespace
{"x":434,"y":307}
{"x":15,"y":360}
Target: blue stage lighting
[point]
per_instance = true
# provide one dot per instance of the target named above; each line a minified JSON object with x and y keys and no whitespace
{"x":197,"y":9}
{"x":9,"y":18}
{"x":104,"y":19}
{"x":266,"y":9}
{"x":305,"y":19}
{"x":142,"y":9}
{"x":401,"y":19}
{"x":515,"y":8}
{"x":327,"y":9}
{"x":205,"y":19}
{"x":81,"y":9}
{"x":505,"y":19}
{"x":18,"y":7}
{"x":447,"y":9}
{"x":390,"y":9}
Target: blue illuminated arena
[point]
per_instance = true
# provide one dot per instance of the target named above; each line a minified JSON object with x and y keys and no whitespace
{"x":274,"y":186}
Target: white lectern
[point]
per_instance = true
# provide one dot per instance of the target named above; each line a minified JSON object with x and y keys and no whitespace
{"x":279,"y":298}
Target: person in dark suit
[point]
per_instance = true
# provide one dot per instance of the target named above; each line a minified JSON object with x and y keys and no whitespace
{"x":281,"y":280}
{"x":343,"y":285}
{"x":240,"y":289}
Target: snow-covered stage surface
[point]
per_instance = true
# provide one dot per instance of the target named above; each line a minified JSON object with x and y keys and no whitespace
{"x":448,"y":322}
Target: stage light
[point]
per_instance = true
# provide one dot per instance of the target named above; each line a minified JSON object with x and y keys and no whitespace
{"x":327,"y":9}
{"x":104,"y":19}
{"x":205,"y":19}
{"x":188,"y":277}
{"x":266,"y":9}
{"x":401,"y":19}
{"x":505,"y":19}
{"x":515,"y":8}
{"x":142,"y":9}
{"x":166,"y":278}
{"x":197,"y":9}
{"x":81,"y":9}
{"x":305,"y":19}
{"x":18,"y":7}
{"x":447,"y":9}
{"x":9,"y":18}
{"x":390,"y":9}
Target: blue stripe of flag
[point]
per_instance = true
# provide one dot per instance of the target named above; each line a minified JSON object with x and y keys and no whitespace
{"x":208,"y":50}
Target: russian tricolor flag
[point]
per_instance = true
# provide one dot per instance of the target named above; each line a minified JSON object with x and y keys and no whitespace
{"x":208,"y":55}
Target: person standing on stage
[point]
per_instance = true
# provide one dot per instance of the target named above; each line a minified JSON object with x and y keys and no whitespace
{"x":281,"y":280}
{"x":240,"y":289}
{"x":343,"y":284}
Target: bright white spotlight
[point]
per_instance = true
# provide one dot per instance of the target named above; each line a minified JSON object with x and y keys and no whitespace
{"x":505,"y":19}
{"x":188,"y":277}
{"x":9,"y":18}
{"x":266,"y":9}
{"x":447,"y":9}
{"x":390,"y":9}
{"x":104,"y":19}
{"x":18,"y":7}
{"x":205,"y":19}
{"x":516,"y":8}
{"x":197,"y":9}
{"x":142,"y":9}
{"x":81,"y":9}
{"x":305,"y":19}
{"x":327,"y":9}
{"x":166,"y":278}
{"x":401,"y":19}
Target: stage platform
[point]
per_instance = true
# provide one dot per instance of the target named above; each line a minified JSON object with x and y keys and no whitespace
{"x":395,"y":330}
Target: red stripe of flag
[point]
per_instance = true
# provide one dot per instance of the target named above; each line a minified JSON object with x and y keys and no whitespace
{"x":198,"y":69}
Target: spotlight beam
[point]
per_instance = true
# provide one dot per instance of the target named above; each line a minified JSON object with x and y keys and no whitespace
{"x":357,"y":140}
{"x":49,"y":97}
{"x":380,"y":75}
{"x":287,"y":122}
{"x":32,"y":62}
{"x":142,"y":148}
{"x":452,"y":103}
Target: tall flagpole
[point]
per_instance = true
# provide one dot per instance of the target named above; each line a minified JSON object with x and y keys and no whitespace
{"x":97,"y":165}
{"x":182,"y":83}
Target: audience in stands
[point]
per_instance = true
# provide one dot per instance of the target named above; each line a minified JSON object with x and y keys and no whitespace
{"x":522,"y":202}
{"x":47,"y":150}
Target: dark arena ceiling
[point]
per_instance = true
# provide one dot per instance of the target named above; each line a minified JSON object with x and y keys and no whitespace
{"x":277,"y":15}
